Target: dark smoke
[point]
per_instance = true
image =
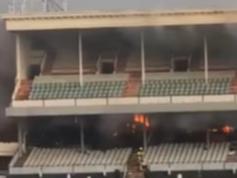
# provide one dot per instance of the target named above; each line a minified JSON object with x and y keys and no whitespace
{"x":7,"y":75}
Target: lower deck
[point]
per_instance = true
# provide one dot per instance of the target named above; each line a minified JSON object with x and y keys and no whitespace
{"x":162,"y":158}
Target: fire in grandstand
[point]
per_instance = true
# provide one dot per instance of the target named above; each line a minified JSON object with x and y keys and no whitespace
{"x":84,"y":86}
{"x":142,"y":120}
{"x":227,"y":129}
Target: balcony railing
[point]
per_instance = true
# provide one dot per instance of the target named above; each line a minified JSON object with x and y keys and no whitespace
{"x":30,"y":6}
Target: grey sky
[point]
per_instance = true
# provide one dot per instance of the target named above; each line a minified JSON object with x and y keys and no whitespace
{"x":76,"y":5}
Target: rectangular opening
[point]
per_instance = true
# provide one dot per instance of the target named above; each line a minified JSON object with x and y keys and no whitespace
{"x":33,"y":71}
{"x":180,"y":65}
{"x":107,"y":68}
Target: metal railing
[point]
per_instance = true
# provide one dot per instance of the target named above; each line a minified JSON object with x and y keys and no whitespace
{"x":110,"y":101}
{"x":30,"y":6}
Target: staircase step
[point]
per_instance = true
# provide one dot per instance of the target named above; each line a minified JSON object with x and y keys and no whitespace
{"x":134,"y":167}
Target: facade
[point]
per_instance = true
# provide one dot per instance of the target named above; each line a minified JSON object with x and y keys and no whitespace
{"x":77,"y":65}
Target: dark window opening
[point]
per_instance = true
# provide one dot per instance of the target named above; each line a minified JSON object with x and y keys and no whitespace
{"x":107,"y":68}
{"x":181,"y":65}
{"x":34,"y":70}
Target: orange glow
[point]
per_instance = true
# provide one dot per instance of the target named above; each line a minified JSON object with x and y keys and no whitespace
{"x":142,"y":120}
{"x":136,"y":118}
{"x":227,"y":129}
{"x":147,"y":123}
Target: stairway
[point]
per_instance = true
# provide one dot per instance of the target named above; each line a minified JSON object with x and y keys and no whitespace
{"x":133,"y":85}
{"x":134,"y":167}
{"x":23,"y":90}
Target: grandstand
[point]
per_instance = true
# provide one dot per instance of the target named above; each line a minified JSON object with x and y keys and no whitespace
{"x":76,"y":68}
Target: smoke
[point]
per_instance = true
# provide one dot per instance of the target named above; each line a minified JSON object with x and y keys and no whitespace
{"x":7,"y":73}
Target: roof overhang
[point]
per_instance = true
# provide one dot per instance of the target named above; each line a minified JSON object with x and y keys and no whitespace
{"x":117,"y":19}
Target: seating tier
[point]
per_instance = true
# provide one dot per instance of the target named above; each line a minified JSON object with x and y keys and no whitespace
{"x":183,"y":87}
{"x":69,"y":90}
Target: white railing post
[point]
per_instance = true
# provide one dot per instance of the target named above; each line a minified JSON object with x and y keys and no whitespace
{"x":65,"y":5}
{"x":45,"y":5}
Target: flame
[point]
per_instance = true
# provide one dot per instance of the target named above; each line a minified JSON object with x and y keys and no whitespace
{"x":147,"y":123}
{"x":141,"y":119}
{"x":136,"y":118}
{"x":227,"y":129}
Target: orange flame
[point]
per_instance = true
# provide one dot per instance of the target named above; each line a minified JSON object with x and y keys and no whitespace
{"x":147,"y":123}
{"x":141,"y":119}
{"x":136,"y":118}
{"x":227,"y":129}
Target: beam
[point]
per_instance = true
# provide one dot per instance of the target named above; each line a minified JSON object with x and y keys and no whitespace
{"x":18,"y":113}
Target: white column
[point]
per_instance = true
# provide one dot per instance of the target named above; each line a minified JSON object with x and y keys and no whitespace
{"x":144,"y":137}
{"x":143,"y":58}
{"x":22,"y":56}
{"x":82,"y":135}
{"x":80,"y":58}
{"x":68,"y":175}
{"x":208,"y":132}
{"x":18,"y":58}
{"x":205,"y":60}
{"x":19,"y":139}
{"x":22,"y":137}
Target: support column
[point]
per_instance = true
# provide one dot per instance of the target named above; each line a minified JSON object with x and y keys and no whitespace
{"x":68,"y":175}
{"x":208,"y":139}
{"x":205,"y":60}
{"x":144,"y":137}
{"x":22,"y":137}
{"x":82,"y":138}
{"x":80,"y":58}
{"x":22,"y":56}
{"x":143,"y":58}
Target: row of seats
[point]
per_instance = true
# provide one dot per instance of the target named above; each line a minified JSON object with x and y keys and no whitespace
{"x":181,"y":87}
{"x":186,"y":153}
{"x":68,"y":90}
{"x":66,"y":157}
{"x":71,"y":89}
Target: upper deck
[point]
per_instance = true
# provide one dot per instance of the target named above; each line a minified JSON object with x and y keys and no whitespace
{"x":110,"y":76}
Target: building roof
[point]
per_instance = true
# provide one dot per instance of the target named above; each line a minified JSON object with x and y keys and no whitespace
{"x":117,"y":19}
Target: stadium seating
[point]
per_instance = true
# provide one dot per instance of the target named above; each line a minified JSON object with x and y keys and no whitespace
{"x":74,"y":90}
{"x":68,"y":87}
{"x":182,"y":87}
{"x":186,"y":153}
{"x":67,"y":157}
